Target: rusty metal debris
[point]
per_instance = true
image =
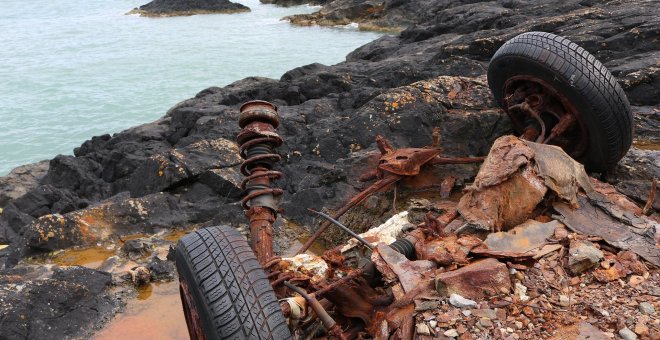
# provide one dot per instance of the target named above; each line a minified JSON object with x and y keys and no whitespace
{"x":379,"y":282}
{"x":394,"y":280}
{"x":483,"y":278}
{"x":515,"y":178}
{"x":523,"y":238}
{"x":393,"y":166}
{"x":257,"y":140}
{"x":590,"y":219}
{"x":334,"y":330}
{"x":531,"y":103}
{"x":649,"y":203}
{"x":343,"y":227}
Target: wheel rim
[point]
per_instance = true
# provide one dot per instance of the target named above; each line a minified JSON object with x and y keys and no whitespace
{"x":193,"y":320}
{"x":543,"y":114}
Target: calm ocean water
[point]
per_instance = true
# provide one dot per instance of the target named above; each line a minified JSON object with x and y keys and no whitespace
{"x":73,"y":69}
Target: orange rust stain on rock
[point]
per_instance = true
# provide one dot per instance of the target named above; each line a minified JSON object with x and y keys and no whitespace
{"x":175,"y":235}
{"x":145,"y":291}
{"x":89,"y":257}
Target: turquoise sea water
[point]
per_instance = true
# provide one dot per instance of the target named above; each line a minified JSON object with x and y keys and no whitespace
{"x":73,"y":69}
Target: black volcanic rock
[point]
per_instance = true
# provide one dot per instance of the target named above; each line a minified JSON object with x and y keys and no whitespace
{"x":20,"y":180}
{"x":67,"y":303}
{"x":188,"y":7}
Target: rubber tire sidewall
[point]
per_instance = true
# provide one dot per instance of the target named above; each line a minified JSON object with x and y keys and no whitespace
{"x":184,"y":267}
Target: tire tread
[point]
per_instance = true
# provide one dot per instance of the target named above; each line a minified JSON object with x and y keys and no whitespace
{"x":237,"y":295}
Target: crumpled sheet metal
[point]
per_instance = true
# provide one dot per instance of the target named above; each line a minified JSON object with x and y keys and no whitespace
{"x":561,"y":173}
{"x":515,"y":178}
{"x":475,"y":281}
{"x":622,"y":212}
{"x":386,"y":233}
{"x":399,"y":321}
{"x":505,"y":205}
{"x":591,"y":219}
{"x":357,"y":300}
{"x":447,"y":250}
{"x":506,"y":156}
{"x":616,"y":197}
{"x":523,"y":238}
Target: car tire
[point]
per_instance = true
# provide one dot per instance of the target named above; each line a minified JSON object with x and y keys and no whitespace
{"x":601,"y":105}
{"x":224,"y":290}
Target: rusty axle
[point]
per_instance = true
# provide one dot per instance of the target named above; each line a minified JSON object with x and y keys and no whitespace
{"x":326,"y":319}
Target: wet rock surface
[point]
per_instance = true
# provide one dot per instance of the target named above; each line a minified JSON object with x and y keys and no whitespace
{"x":21,"y":180}
{"x":168,"y":8}
{"x":180,"y":172}
{"x":65,"y":302}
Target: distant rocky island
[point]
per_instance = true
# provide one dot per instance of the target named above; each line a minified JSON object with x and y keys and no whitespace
{"x":170,"y":8}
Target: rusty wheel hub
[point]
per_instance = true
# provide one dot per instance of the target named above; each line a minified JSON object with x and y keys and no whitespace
{"x":193,"y":319}
{"x":544,"y":115}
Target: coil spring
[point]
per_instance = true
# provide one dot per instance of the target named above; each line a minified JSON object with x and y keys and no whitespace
{"x":259,"y":154}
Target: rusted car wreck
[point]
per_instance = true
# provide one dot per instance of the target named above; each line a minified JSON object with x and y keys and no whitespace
{"x":531,"y":207}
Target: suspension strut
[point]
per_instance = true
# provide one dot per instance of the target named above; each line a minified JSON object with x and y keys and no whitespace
{"x":257,"y":141}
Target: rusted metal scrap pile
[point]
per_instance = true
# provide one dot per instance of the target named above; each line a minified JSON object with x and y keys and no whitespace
{"x":534,"y":248}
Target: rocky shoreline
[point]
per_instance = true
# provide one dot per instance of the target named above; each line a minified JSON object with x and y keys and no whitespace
{"x":387,"y":16}
{"x":181,"y":172}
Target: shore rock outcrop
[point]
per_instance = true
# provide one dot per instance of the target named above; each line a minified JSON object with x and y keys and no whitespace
{"x":21,"y":180}
{"x":39,"y":303}
{"x":379,"y":15}
{"x":180,"y":171}
{"x":171,"y":8}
